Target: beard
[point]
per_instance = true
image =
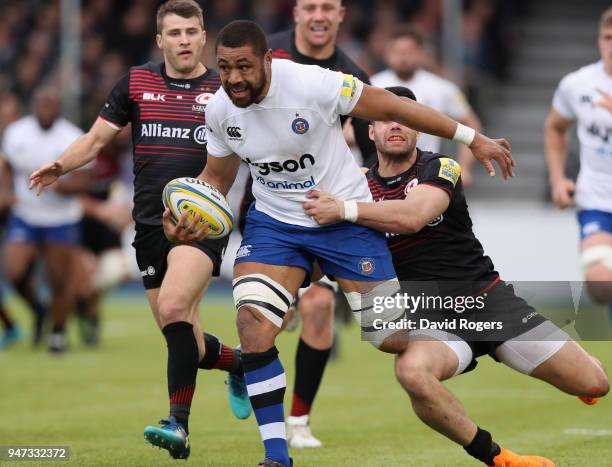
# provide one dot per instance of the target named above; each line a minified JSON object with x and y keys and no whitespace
{"x":255,"y":90}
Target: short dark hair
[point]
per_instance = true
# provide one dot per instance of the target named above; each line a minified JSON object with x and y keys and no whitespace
{"x":241,"y":33}
{"x":182,"y":8}
{"x":409,"y":31}
{"x":402,"y":91}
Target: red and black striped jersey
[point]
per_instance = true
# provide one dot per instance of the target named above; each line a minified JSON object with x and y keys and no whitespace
{"x":168,"y":130}
{"x":446,"y":249}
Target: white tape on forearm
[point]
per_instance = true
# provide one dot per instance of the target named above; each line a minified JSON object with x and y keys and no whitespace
{"x":351,"y":212}
{"x":464,"y":134}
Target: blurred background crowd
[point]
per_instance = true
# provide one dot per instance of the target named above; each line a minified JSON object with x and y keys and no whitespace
{"x":119,"y":33}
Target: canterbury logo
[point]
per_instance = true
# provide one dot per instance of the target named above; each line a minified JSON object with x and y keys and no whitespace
{"x":234,"y":132}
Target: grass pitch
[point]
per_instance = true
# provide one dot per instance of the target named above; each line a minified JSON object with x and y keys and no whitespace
{"x":97,"y":402}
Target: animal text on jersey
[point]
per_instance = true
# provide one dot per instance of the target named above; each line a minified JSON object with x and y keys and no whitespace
{"x":168,"y":129}
{"x":446,"y":248}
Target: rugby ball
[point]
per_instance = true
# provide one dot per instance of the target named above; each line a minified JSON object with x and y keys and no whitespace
{"x":197,"y":197}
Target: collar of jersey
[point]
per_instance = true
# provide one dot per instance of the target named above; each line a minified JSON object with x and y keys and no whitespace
{"x":193,"y":81}
{"x":399,"y":178}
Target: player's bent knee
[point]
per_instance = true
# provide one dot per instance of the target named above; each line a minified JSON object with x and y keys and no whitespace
{"x":413,"y":376}
{"x":317,"y":306}
{"x":256,"y":333}
{"x":172,"y":309}
{"x":257,"y":292}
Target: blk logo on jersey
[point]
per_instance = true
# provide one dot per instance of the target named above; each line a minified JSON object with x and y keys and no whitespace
{"x":149,"y":96}
{"x":300,"y":125}
{"x":234,"y":132}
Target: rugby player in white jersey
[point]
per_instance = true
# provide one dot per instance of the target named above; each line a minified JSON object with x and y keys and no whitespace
{"x":581,"y":98}
{"x":282,"y":118}
{"x":47,"y":226}
{"x":406,"y":56}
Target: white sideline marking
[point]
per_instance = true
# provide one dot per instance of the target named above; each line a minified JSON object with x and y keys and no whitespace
{"x":587,"y":432}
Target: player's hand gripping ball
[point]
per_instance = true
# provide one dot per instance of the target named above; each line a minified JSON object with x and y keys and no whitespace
{"x":197,"y":197}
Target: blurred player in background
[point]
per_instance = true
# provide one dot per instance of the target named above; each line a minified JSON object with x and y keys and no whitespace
{"x":283,"y":119}
{"x":48,"y":226}
{"x":104,"y":263}
{"x":12,"y":332}
{"x":406,"y":57}
{"x":165,"y":103}
{"x":420,"y":203}
{"x":581,"y":97}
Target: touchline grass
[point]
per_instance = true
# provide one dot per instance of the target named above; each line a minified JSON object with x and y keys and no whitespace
{"x":98,"y":401}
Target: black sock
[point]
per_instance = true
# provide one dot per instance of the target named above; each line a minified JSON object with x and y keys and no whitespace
{"x":58,"y":328}
{"x":219,"y":356}
{"x":309,"y":367}
{"x":182,"y":369}
{"x":483,"y":447}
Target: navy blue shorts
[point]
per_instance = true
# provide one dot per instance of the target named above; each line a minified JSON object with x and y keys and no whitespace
{"x":344,"y":250}
{"x":19,"y":231}
{"x":593,"y":221}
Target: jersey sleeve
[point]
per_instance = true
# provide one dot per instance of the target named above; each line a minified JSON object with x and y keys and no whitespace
{"x":116,"y":109}
{"x":443,"y":173}
{"x":216,"y":145}
{"x":562,"y":101}
{"x":337,"y":93}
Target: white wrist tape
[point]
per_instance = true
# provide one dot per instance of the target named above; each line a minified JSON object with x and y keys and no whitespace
{"x":351,"y":212}
{"x":464,"y":134}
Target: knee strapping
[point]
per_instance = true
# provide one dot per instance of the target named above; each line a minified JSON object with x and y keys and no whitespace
{"x":597,"y":254}
{"x":377,"y":320}
{"x":268,"y":297}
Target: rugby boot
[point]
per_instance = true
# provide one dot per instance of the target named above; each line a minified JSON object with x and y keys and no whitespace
{"x":171,"y":436}
{"x":509,"y":459}
{"x":237,"y":394}
{"x":299,"y":435}
{"x":589,"y":400}
{"x":11,"y":336}
{"x":272,"y":463}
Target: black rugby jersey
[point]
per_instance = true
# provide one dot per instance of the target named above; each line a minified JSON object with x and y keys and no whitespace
{"x":168,"y":130}
{"x":446,"y":249}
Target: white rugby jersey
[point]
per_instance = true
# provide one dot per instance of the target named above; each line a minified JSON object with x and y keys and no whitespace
{"x":574,"y":100}
{"x":27,"y":146}
{"x":433,"y":91}
{"x":292,"y":140}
